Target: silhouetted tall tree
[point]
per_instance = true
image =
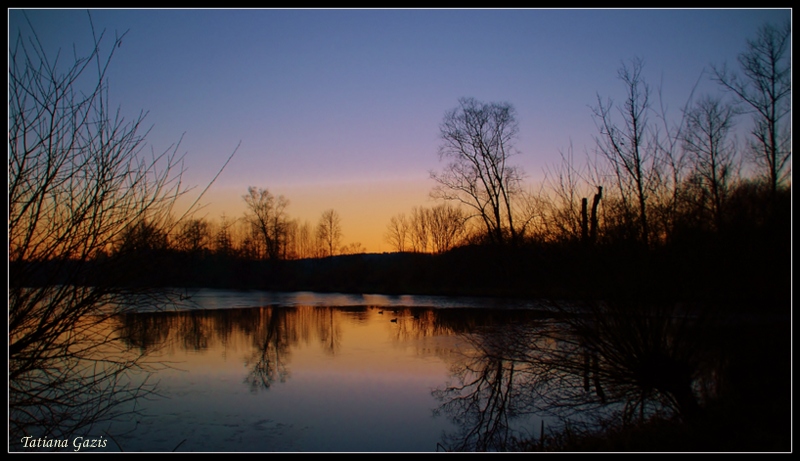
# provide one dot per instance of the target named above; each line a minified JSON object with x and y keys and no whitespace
{"x":566,"y":185}
{"x":630,"y":147}
{"x":446,"y":227}
{"x":478,"y":141}
{"x":267,"y":216}
{"x":419,"y":229}
{"x":305,"y":241}
{"x":193,"y":236}
{"x":78,"y":185}
{"x":765,"y":88}
{"x":329,"y":231}
{"x":711,"y":151}
{"x":223,"y":238}
{"x":397,"y":232}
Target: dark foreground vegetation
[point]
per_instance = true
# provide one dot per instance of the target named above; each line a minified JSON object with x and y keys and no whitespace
{"x":748,"y":412}
{"x":625,"y":376}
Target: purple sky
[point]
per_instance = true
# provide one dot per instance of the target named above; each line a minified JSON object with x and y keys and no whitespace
{"x":341,"y":108}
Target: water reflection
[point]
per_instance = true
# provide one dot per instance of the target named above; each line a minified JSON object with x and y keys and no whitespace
{"x":495,"y":384}
{"x":583,"y":369}
{"x":270,"y":352}
{"x":271,"y":332}
{"x":355,"y":360}
{"x":494,"y":377}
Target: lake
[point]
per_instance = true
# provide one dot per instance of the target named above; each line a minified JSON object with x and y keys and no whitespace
{"x":252,"y":371}
{"x":306,"y":372}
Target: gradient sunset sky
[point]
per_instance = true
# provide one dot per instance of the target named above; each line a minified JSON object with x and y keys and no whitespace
{"x":340,"y":108}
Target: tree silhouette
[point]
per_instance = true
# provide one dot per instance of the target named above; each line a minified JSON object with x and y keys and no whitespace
{"x":329,"y":231}
{"x":397,"y":232}
{"x":83,"y":197}
{"x":564,"y":183}
{"x":765,"y":88}
{"x":630,"y":148}
{"x":223,"y":238}
{"x":305,"y":241}
{"x":194,"y":236}
{"x":446,"y":226}
{"x":712,"y":153}
{"x":478,"y":141}
{"x":267,"y":217}
{"x":419,"y":226}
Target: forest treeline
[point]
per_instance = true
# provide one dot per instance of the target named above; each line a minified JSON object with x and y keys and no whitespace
{"x":742,"y":257}
{"x":745,"y":264}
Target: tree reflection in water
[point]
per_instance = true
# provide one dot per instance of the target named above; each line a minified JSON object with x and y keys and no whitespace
{"x":609,"y":363}
{"x":571,"y":367}
{"x":491,"y":387}
{"x":272,"y":331}
{"x":271,"y":348}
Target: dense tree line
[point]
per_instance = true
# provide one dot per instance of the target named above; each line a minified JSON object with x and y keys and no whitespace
{"x":651,"y":178}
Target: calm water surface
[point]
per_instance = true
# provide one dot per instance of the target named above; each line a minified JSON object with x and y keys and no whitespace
{"x":291,"y":372}
{"x":305,"y":372}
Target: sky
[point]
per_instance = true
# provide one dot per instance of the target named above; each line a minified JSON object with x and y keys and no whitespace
{"x":340,"y":108}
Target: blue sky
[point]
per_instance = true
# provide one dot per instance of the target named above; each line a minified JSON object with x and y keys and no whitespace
{"x":341,"y":108}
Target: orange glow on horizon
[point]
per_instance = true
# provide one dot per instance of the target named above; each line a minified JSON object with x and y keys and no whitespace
{"x":364,"y":207}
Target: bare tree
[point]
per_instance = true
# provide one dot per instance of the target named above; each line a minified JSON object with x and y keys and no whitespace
{"x":141,"y":237}
{"x":79,"y":183}
{"x":712,"y":152}
{"x":223,"y":239}
{"x":478,"y":141}
{"x":631,"y":147}
{"x":765,"y":88}
{"x":305,"y":241}
{"x":446,"y":227}
{"x":419,"y":229}
{"x":329,"y":231}
{"x":353,"y":249}
{"x":252,"y":242}
{"x":567,"y":186}
{"x":194,"y":236}
{"x":397,"y":232}
{"x":267,"y":215}
{"x":290,"y":244}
